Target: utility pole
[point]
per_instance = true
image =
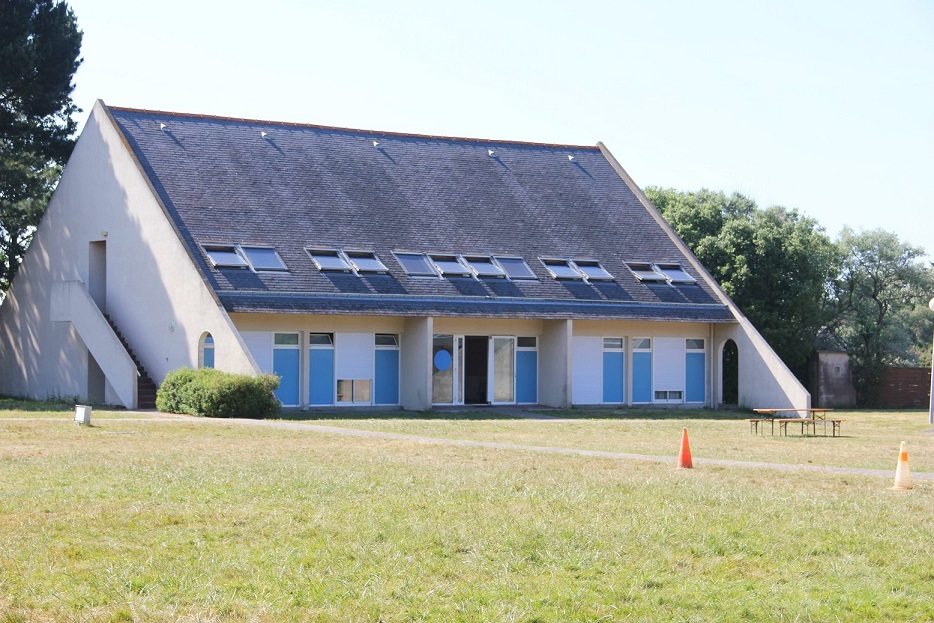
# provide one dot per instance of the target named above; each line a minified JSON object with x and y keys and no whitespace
{"x":931,"y":407}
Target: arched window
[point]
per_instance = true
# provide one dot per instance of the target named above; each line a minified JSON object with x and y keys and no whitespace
{"x":730,"y":390}
{"x":207,"y":351}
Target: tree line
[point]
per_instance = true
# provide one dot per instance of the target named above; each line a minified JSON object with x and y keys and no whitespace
{"x":865,"y":292}
{"x":40,"y":44}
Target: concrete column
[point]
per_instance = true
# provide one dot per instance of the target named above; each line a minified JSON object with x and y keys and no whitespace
{"x":415,"y":364}
{"x":554,"y":356}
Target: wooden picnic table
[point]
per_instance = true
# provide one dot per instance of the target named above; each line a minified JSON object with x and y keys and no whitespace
{"x":811,"y":419}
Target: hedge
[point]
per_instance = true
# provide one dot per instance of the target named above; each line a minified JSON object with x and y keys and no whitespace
{"x":213,"y":393}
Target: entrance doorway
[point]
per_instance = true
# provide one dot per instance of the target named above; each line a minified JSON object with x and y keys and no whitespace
{"x":476,"y":368}
{"x":473,"y":370}
{"x":730,"y":366}
{"x":97,"y":273}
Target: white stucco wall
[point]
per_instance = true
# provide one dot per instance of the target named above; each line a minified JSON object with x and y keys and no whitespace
{"x":154,"y":293}
{"x":415,"y":364}
{"x":764,"y":380}
{"x":587,"y":355}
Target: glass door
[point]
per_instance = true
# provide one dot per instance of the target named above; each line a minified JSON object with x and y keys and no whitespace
{"x":447,"y":370}
{"x":503,"y":365}
{"x":442,"y":370}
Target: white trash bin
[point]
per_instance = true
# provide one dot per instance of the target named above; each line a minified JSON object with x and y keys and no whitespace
{"x":83,"y":414}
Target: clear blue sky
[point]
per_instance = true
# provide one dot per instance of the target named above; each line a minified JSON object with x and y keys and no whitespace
{"x":824,"y":106}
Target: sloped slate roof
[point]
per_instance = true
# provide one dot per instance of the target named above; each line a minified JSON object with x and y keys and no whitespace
{"x":223,"y":182}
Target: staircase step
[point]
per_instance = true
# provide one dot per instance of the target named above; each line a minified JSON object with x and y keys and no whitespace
{"x":145,"y":387}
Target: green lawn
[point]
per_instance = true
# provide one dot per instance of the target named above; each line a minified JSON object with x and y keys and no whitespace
{"x":193,"y":520}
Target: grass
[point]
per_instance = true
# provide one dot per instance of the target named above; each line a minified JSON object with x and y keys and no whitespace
{"x":18,"y":408}
{"x":193,"y":520}
{"x":869,"y":440}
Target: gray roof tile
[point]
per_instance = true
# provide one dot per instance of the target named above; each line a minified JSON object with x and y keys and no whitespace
{"x":303,"y":185}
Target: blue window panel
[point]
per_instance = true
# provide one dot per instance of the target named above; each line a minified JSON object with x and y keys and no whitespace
{"x":208,"y":356}
{"x":695,"y":390}
{"x":387,"y":377}
{"x":321,"y":376}
{"x":613,"y":377}
{"x":642,"y":377}
{"x":285,"y":366}
{"x":527,"y":376}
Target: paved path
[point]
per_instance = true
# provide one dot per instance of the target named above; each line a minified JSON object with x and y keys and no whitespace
{"x":154,"y":416}
{"x":337,"y":430}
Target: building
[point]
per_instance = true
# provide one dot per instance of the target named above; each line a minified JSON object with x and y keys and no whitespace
{"x":366,"y":268}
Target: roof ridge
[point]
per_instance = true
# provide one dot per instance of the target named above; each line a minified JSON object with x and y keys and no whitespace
{"x":374,"y":133}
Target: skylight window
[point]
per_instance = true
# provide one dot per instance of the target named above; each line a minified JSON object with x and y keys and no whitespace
{"x":224,"y":256}
{"x":416,"y":264}
{"x":646,"y":272}
{"x":329,"y":260}
{"x":450,"y":266}
{"x":483,"y":266}
{"x":592,"y":270}
{"x":263,"y":258}
{"x":562,"y":269}
{"x":676,"y":274}
{"x":366,"y":262}
{"x":515,"y":267}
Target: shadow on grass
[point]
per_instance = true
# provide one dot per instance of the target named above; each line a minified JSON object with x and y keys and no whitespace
{"x":645,"y":414}
{"x":22,"y":404}
{"x":394,"y":415}
{"x":510,"y":413}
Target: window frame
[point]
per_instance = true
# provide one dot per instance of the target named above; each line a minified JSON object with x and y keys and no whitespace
{"x":675,"y":268}
{"x":350,"y":254}
{"x":515,"y":258}
{"x":227,"y":249}
{"x":612,"y":348}
{"x":472,"y":260}
{"x":562,"y":262}
{"x":424,"y":258}
{"x":437,"y":259}
{"x":668,"y":399}
{"x":580,"y":264}
{"x":353,"y":392}
{"x":637,"y":347}
{"x":329,"y":252}
{"x":386,"y":346}
{"x":525,"y":346}
{"x":313,"y":342}
{"x":695,"y":349}
{"x":243,"y":251}
{"x":648,"y":274}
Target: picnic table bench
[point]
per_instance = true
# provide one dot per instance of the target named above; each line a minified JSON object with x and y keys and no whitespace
{"x":812,"y":418}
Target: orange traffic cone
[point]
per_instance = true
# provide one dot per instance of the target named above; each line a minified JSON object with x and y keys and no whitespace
{"x":684,"y":457}
{"x":903,"y":472}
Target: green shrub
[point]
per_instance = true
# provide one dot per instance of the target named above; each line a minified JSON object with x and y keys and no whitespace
{"x":214,"y":393}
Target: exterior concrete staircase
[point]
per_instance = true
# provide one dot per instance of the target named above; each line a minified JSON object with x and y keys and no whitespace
{"x":70,"y":302}
{"x":145,"y":387}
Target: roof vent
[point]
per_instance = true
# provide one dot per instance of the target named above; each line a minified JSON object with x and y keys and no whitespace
{"x":491,"y":153}
{"x":375,"y":143}
{"x":262,"y":134}
{"x":570,"y":157}
{"x":162,"y":127}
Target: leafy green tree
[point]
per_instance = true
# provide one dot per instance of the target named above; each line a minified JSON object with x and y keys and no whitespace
{"x":774,"y":263}
{"x":921,"y":326}
{"x":881,"y":292}
{"x":39,"y":53}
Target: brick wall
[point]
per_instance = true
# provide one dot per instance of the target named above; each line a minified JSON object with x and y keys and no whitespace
{"x":906,"y":387}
